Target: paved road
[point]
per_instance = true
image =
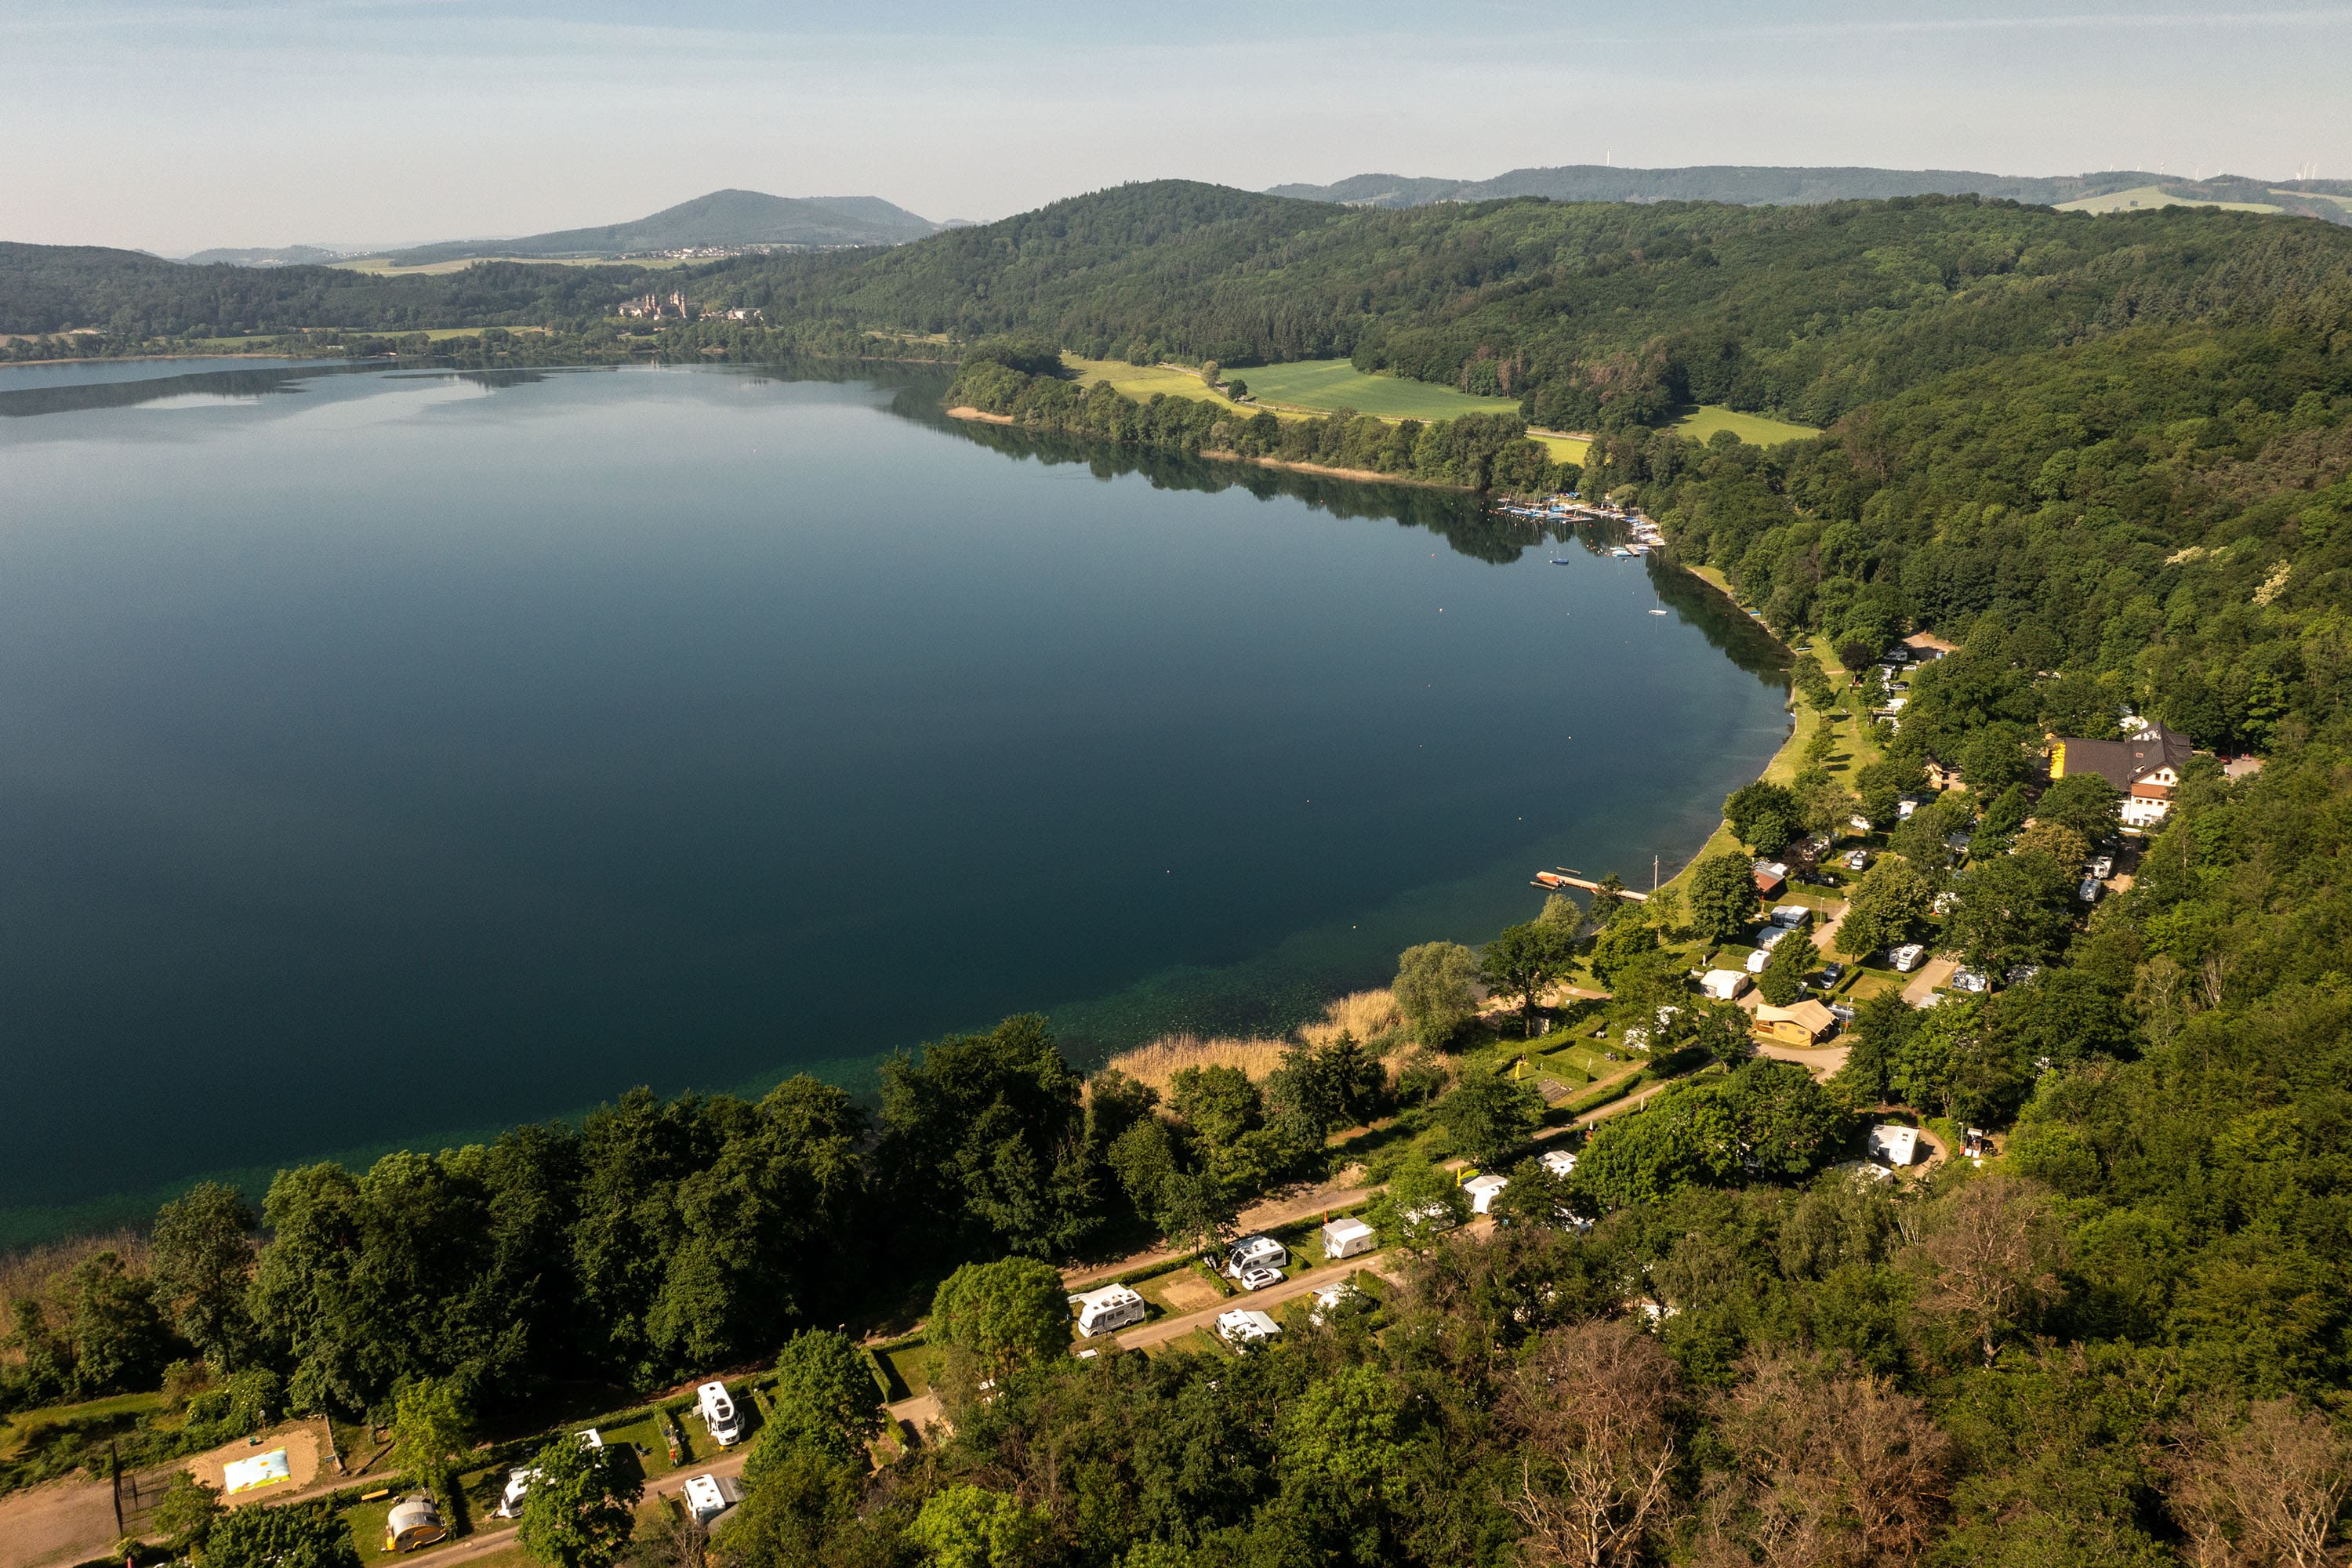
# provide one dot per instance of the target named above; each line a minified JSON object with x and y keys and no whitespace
{"x":1934,"y":973}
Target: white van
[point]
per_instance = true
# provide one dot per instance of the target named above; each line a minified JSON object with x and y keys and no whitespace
{"x":1905,"y":959}
{"x":1112,"y":1307}
{"x":1256,"y":1252}
{"x":718,"y":1410}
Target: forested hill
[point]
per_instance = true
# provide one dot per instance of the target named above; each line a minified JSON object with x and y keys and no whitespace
{"x":132,"y":295}
{"x":1734,"y":183}
{"x":1595,"y":313}
{"x":729,"y":217}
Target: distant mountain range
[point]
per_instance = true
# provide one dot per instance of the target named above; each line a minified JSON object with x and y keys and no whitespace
{"x":721,"y":220}
{"x":271,"y":256}
{"x":1770,"y":186}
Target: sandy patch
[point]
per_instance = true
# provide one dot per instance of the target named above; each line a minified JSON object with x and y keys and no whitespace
{"x":304,"y":1442}
{"x":967,"y":412}
{"x":1186,"y":1294}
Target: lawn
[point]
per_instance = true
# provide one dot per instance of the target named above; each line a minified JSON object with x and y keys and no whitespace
{"x":911,"y":1368}
{"x":1323,"y":386}
{"x":1704,"y":421}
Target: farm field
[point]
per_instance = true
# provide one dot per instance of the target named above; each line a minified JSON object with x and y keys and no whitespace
{"x":1755,"y":429}
{"x":2153,"y":197}
{"x":1141,"y":381}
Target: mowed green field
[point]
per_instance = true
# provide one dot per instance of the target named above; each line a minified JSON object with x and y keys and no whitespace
{"x":2140,"y":196}
{"x":1753,"y":428}
{"x":1324,"y":384}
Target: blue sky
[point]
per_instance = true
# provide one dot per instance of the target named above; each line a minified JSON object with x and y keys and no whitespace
{"x":175,"y":124}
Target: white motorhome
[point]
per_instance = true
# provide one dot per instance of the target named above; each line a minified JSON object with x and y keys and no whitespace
{"x":1347,"y":1239}
{"x":1256,"y":1252}
{"x":1112,"y":1307}
{"x":717,"y":1411}
{"x":709,"y":1497}
{"x":1895,"y":1144}
{"x":519,"y":1482}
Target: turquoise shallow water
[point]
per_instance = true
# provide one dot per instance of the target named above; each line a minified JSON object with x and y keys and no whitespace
{"x":386,"y":755}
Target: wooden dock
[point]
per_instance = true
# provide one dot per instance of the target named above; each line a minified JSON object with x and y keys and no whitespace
{"x":1554,"y":880}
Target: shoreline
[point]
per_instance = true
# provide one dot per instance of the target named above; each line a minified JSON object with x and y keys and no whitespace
{"x":1360,"y":475}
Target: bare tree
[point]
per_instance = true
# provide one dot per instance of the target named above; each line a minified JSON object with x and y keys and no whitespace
{"x":1836,"y":1470}
{"x":1991,"y":1252}
{"x":2265,"y":1493}
{"x":1594,"y":1412}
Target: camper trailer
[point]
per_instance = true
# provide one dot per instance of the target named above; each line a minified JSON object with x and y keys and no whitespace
{"x":413,"y":1522}
{"x":1347,"y":1239}
{"x":1243,"y":1328}
{"x":518,"y":1481}
{"x":1256,"y":1252}
{"x":1559,"y":1161}
{"x":1894,"y":1143}
{"x":1723,"y":985}
{"x":1112,"y":1307}
{"x":718,"y":1411}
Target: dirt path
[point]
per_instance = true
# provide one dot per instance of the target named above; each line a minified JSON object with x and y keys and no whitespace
{"x":1822,"y":1061}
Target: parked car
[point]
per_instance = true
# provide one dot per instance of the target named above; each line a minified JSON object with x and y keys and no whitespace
{"x":1905,"y":959}
{"x":1257,"y":1277}
{"x":1857,"y":860}
{"x":1832,"y":973}
{"x":1841,"y":1011}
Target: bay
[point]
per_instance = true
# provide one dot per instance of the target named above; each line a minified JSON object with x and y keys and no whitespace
{"x":388,"y":756}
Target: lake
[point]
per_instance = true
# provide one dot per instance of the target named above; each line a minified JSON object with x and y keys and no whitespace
{"x":390,"y":754}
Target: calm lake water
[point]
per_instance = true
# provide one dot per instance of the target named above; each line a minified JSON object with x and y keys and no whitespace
{"x":388,"y":756}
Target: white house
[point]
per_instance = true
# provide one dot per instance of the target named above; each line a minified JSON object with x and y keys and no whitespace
{"x":1347,"y":1239}
{"x":1723,"y":985}
{"x":1481,"y":1191}
{"x":1895,"y":1145}
{"x":1112,"y":1307}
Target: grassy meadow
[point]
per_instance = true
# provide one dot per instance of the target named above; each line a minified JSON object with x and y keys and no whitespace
{"x":1704,"y":421}
{"x":1325,"y":385}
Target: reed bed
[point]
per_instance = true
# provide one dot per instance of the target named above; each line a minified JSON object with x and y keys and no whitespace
{"x":1160,"y":1060}
{"x":1366,"y":1015}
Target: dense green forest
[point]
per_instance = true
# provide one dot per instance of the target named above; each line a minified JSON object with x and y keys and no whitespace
{"x":2109,"y":460}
